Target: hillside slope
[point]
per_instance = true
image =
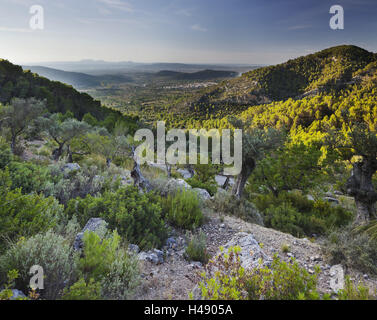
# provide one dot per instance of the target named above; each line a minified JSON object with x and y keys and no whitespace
{"x":311,"y":74}
{"x":14,"y":82}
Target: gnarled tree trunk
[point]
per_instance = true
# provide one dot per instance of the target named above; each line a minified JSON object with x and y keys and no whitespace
{"x":57,"y":153}
{"x":360,"y":186}
{"x":139,"y":180}
{"x":247,"y":169}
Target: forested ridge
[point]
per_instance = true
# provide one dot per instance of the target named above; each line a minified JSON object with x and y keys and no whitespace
{"x":17,"y":83}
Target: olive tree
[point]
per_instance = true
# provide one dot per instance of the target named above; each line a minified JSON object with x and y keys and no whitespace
{"x":63,"y":132}
{"x":19,"y":115}
{"x":255,"y":144}
{"x":357,"y":142}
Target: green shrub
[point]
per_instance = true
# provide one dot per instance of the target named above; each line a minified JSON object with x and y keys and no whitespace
{"x":7,"y":293}
{"x":352,"y":249}
{"x":209,"y":186}
{"x":6,"y":156}
{"x":30,"y":177}
{"x":183,"y":210}
{"x":204,"y":177}
{"x":226,"y":279}
{"x":353,"y":292}
{"x":197,"y":248}
{"x":295,"y":214}
{"x":49,"y":250}
{"x":24,"y":215}
{"x":78,"y":183}
{"x":105,"y":261}
{"x":229,"y":204}
{"x":82,"y":290}
{"x":136,"y":216}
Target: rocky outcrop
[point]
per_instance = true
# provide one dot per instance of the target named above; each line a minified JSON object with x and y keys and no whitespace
{"x":337,"y":278}
{"x":17,"y":294}
{"x":202,"y":193}
{"x":70,"y":167}
{"x":251,"y":253}
{"x":174,"y":185}
{"x":154,"y":256}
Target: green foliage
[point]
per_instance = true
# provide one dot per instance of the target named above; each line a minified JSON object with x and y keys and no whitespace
{"x":98,"y":254}
{"x":293,"y":167}
{"x":29,"y":177}
{"x":353,"y":292}
{"x":183,"y":210}
{"x":79,"y":183}
{"x":89,"y":119}
{"x":18,"y":116}
{"x":6,"y":156}
{"x":204,"y":178}
{"x":295,"y":214}
{"x":231,"y":205}
{"x":6,"y":293}
{"x":197,"y":248}
{"x":352,"y":249}
{"x":24,"y":215}
{"x":209,"y":186}
{"x":82,"y":290}
{"x":110,"y":265}
{"x":136,"y":216}
{"x":59,"y":97}
{"x":226,"y":279}
{"x":49,"y":250}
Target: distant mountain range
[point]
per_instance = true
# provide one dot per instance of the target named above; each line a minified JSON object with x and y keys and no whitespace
{"x":99,"y":67}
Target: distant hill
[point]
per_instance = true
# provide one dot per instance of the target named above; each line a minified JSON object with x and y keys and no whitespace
{"x":77,"y":79}
{"x":322,"y":71}
{"x":200,"y":75}
{"x":15,"y":82}
{"x":99,"y":67}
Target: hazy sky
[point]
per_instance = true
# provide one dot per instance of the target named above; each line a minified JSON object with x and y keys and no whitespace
{"x":199,"y":31}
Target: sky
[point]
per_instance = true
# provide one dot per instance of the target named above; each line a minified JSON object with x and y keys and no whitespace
{"x":187,"y":31}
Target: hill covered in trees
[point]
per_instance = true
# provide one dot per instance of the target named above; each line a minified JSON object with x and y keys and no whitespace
{"x":17,"y":83}
{"x":319,"y":72}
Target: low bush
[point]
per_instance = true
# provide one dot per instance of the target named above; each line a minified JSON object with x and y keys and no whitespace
{"x":78,"y":183}
{"x":354,"y":292}
{"x":136,"y":216}
{"x":183,"y":210}
{"x":197,"y":248}
{"x":30,"y":177}
{"x":353,"y":249}
{"x":295,"y":214}
{"x":211,"y":187}
{"x":108,"y":264}
{"x":48,"y":250}
{"x":24,"y":215}
{"x":229,"y":204}
{"x":83,"y":290}
{"x":6,"y":293}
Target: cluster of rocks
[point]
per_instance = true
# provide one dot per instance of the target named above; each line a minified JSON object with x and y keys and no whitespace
{"x":251,"y":254}
{"x":173,"y":246}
